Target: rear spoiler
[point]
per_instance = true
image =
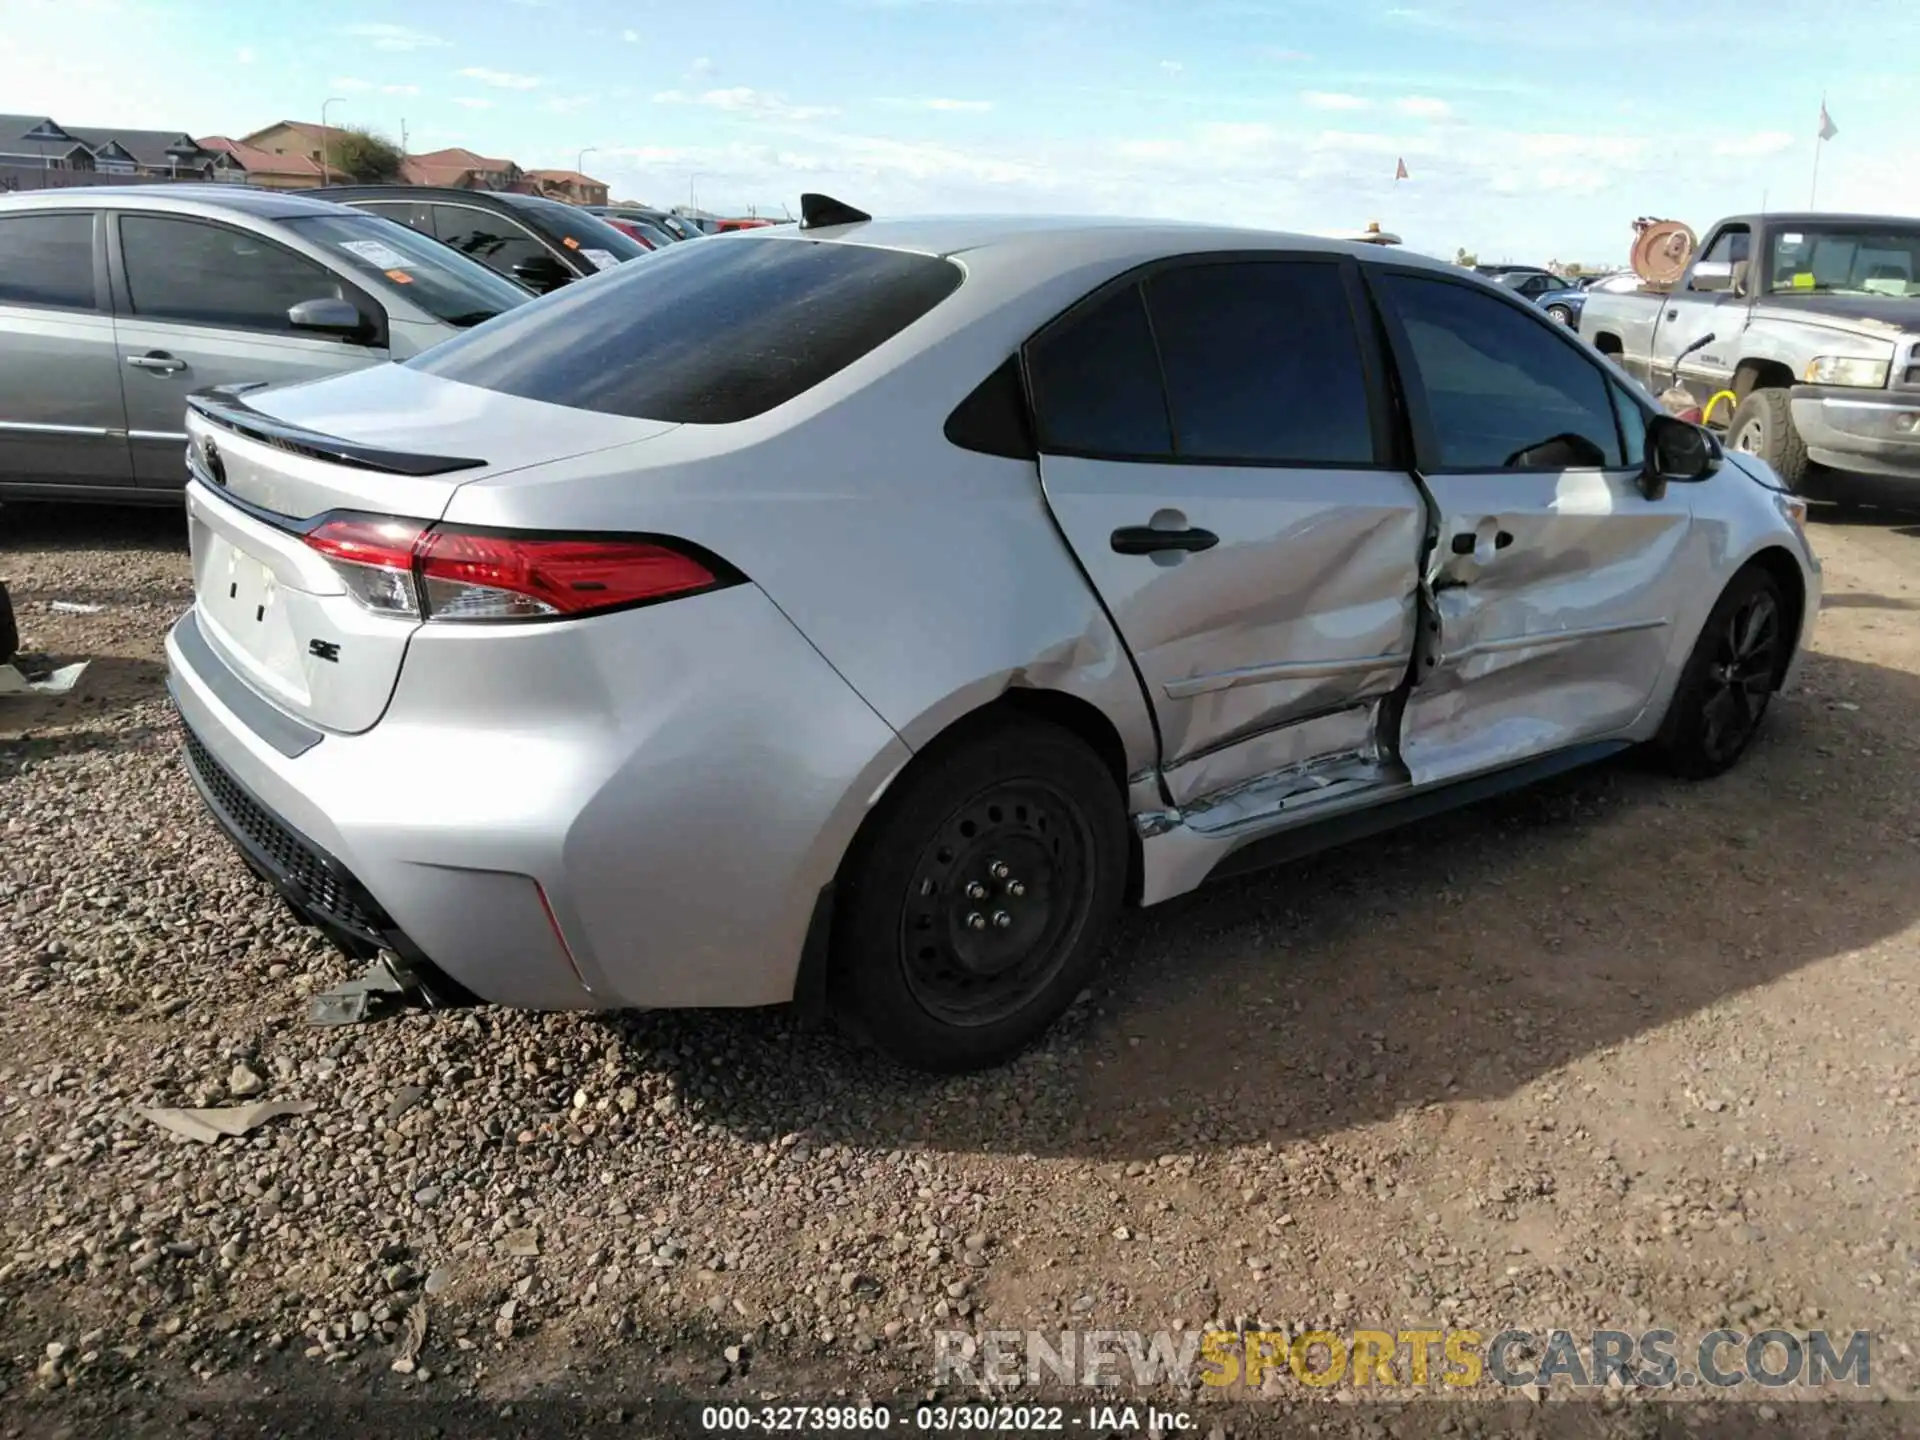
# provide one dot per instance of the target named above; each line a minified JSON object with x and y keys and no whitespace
{"x":223,"y":406}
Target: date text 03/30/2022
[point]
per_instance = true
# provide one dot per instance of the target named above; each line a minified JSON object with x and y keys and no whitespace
{"x":1106,"y":1419}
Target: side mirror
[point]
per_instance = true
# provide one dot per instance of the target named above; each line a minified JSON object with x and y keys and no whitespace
{"x":1677,"y":450}
{"x":541,"y":273}
{"x":1711,"y":277}
{"x":330,"y":316}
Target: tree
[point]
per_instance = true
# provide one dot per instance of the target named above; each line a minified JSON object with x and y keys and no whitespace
{"x":364,"y":155}
{"x":1465,"y":257}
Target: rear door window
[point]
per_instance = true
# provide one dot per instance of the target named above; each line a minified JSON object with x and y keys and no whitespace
{"x":701,"y":334}
{"x":47,"y":260}
{"x":1262,"y":363}
{"x":495,"y":241}
{"x":210,"y":275}
{"x":1096,"y":383}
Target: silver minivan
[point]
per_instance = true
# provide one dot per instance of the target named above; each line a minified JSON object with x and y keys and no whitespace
{"x":116,"y":302}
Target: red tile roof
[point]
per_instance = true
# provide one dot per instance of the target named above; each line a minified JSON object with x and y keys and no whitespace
{"x":262,"y":162}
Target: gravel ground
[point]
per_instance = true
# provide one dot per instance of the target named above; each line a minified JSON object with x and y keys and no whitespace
{"x":1616,"y":1052}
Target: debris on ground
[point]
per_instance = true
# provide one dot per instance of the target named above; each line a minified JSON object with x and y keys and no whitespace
{"x":225,"y":1121}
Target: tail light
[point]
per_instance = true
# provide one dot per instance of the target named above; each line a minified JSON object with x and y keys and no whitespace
{"x":425,"y":572}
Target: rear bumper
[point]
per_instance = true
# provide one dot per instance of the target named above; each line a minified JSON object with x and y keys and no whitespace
{"x":1875,"y":433}
{"x":601,"y":815}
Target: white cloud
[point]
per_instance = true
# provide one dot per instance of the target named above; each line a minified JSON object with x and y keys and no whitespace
{"x":1172,"y":67}
{"x":501,"y":79}
{"x":469,"y":102}
{"x":702,"y":69}
{"x":396,"y":37}
{"x":632,"y":37}
{"x":942,"y":103}
{"x":399,"y":89}
{"x":244,"y":55}
{"x":568,"y":104}
{"x":1423,"y":107}
{"x":1280,"y":53}
{"x":755,"y":104}
{"x":1330,"y":100}
{"x":349,"y":84}
{"x":1748,"y":147}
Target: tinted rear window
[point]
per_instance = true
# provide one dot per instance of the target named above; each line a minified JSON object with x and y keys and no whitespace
{"x":701,"y":334}
{"x":47,"y":260}
{"x":575,"y":229}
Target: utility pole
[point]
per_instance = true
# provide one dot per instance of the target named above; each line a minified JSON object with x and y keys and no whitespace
{"x":403,"y":135}
{"x":326,"y":140}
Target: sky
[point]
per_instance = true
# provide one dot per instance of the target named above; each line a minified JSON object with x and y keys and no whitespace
{"x":1529,"y":133}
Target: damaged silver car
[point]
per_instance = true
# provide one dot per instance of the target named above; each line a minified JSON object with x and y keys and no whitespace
{"x":867,"y":611}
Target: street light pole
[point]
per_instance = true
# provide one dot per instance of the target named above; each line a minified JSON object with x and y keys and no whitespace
{"x":580,"y":160}
{"x":326,"y":139}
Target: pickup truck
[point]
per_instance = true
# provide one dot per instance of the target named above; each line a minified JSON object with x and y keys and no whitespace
{"x":1815,"y":320}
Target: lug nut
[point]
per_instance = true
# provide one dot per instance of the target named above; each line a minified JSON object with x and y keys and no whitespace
{"x":1016,"y":888}
{"x":976,"y":921}
{"x":998,"y":869}
{"x":976,"y":891}
{"x":1001,"y":919}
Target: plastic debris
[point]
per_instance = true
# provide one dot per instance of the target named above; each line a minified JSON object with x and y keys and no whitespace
{"x":74,"y":607}
{"x":22,"y":678}
{"x":209,"y":1126}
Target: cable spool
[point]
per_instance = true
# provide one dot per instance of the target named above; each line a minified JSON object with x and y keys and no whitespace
{"x":1661,"y":250}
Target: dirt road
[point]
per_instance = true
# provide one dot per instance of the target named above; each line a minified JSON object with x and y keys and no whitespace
{"x":1618,"y":1053}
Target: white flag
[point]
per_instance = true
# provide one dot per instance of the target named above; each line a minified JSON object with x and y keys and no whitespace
{"x":1827,"y":128}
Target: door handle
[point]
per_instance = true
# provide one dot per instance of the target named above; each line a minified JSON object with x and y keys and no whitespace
{"x":157,"y":361}
{"x":1145,"y":540}
{"x":1466,"y":542}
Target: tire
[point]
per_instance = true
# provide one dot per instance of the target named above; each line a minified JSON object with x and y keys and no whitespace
{"x":1737,"y":662}
{"x":1560,"y":315}
{"x":1763,"y":426}
{"x":1028,"y":818}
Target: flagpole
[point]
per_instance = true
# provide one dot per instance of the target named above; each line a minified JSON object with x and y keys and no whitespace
{"x":1819,"y":141}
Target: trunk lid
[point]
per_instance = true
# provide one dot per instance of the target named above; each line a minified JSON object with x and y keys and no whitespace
{"x":270,"y":466}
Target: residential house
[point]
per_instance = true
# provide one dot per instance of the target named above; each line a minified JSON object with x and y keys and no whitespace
{"x":296,"y":141}
{"x":250,"y":165}
{"x":463,"y":170}
{"x":569,"y":185}
{"x":37,"y":151}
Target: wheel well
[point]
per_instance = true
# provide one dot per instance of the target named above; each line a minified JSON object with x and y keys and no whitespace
{"x":1078,"y":717}
{"x":1752,"y":375}
{"x":1607,"y":343}
{"x":1793,"y":591}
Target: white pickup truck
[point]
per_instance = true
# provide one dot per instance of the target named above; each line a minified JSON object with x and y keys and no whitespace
{"x":1815,"y":320}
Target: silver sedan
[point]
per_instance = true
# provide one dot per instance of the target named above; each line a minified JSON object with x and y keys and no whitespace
{"x":866,"y":612}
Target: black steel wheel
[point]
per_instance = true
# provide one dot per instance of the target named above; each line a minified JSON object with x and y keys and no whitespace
{"x":1730,"y":678}
{"x":992,"y":896}
{"x":973,"y":904}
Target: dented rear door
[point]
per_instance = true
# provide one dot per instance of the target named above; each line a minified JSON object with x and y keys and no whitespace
{"x":1215,"y":449}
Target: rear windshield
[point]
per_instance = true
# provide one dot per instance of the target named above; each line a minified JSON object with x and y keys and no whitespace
{"x":437,"y":278}
{"x":578,"y":231}
{"x":702,"y":334}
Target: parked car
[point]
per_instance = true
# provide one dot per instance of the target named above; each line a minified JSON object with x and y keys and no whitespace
{"x":671,"y":225}
{"x":1560,"y":298}
{"x":868,"y":630}
{"x":1815,"y":320}
{"x":539,"y":243}
{"x":632,"y":230}
{"x":116,"y":302}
